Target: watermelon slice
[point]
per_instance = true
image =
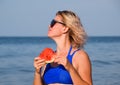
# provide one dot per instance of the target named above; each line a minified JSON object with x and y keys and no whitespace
{"x":48,"y":55}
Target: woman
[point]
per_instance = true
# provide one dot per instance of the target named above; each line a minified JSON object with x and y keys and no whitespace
{"x":72,"y":64}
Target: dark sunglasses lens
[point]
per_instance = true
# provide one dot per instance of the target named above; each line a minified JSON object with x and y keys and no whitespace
{"x":52,"y":23}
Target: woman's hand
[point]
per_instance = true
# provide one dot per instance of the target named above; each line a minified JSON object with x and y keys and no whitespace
{"x":62,"y":59}
{"x":38,"y":63}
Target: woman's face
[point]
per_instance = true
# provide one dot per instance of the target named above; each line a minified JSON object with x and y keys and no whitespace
{"x":56,"y":27}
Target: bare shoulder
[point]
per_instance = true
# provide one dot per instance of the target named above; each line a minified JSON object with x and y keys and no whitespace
{"x":82,"y":64}
{"x":81,"y":58}
{"x":81,"y":55}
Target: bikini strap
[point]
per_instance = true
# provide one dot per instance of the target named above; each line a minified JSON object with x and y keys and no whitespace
{"x":71,"y":56}
{"x":70,"y":50}
{"x":75,"y":52}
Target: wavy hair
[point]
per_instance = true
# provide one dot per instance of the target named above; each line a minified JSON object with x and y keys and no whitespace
{"x":77,"y":34}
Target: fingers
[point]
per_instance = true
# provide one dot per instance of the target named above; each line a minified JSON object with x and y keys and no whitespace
{"x":38,"y":60}
{"x":57,"y":60}
{"x":60,"y":60}
{"x":38,"y":63}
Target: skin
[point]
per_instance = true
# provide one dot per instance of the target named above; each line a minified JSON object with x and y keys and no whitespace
{"x":80,"y":71}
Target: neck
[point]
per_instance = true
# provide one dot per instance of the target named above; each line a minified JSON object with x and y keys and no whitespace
{"x":63,"y":44}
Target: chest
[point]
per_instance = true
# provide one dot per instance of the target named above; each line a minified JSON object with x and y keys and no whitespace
{"x":57,"y":75}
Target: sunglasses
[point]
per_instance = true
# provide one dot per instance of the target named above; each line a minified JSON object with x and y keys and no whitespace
{"x":53,"y":22}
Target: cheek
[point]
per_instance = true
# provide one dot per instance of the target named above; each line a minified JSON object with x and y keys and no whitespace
{"x":54,"y":33}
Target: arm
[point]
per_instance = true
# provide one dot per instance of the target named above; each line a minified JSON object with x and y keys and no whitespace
{"x":37,"y":79}
{"x":38,"y":64}
{"x":81,"y":71}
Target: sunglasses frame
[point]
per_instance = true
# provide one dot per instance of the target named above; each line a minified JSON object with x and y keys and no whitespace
{"x":53,"y":22}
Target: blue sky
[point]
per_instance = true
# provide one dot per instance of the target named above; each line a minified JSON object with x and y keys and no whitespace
{"x":32,"y":17}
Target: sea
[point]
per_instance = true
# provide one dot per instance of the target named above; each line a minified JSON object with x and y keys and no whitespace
{"x":17,"y":55}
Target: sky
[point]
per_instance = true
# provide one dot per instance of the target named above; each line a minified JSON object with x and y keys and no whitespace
{"x":32,"y":17}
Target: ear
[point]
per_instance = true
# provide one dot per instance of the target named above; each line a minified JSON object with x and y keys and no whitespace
{"x":65,"y":29}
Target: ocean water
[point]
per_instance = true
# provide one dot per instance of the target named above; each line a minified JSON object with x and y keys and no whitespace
{"x":17,"y":54}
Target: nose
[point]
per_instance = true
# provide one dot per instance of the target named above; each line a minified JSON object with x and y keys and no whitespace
{"x":49,"y":26}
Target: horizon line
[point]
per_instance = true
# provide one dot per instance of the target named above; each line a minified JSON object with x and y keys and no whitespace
{"x":88,"y":36}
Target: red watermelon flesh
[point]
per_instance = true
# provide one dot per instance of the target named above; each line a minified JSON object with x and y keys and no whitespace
{"x":48,"y":55}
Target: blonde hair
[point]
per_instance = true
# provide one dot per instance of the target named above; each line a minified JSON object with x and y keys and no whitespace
{"x":77,"y":34}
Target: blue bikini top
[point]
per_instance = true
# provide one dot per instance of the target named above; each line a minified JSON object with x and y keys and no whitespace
{"x":58,"y":74}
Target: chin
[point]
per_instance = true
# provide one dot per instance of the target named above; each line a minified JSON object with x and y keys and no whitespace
{"x":50,"y":36}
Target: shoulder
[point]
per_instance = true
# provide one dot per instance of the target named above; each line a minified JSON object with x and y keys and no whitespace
{"x":81,"y":59}
{"x":81,"y":55}
{"x":82,"y":64}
